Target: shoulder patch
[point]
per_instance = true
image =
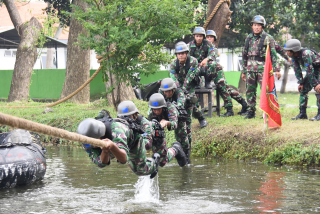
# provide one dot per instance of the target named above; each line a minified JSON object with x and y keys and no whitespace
{"x":168,"y":115}
{"x":192,"y":69}
{"x":306,"y":64}
{"x":211,"y":48}
{"x":172,"y":72}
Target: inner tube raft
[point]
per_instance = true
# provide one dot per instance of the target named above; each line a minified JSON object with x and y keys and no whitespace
{"x":22,"y":159}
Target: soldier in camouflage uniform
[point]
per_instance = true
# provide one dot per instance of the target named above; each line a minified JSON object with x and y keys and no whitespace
{"x":282,"y":53}
{"x":204,"y":51}
{"x":128,"y":145}
{"x":182,"y":69}
{"x":310,"y":61}
{"x":177,"y":97}
{"x":253,"y":60}
{"x":234,"y":94}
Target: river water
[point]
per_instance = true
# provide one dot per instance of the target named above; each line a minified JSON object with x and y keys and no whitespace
{"x":75,"y":185}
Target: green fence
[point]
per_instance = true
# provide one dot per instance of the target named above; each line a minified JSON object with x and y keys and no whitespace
{"x":48,"y":83}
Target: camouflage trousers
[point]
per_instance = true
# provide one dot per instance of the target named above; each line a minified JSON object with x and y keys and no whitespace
{"x":181,"y":134}
{"x":303,"y":100}
{"x":233,"y":93}
{"x":159,"y":145}
{"x":253,"y":78}
{"x":222,"y":86}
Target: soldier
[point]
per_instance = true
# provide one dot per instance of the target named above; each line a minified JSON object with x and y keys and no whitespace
{"x":212,"y":37}
{"x":181,"y":69}
{"x":125,"y":141}
{"x":310,"y":61}
{"x":204,"y":51}
{"x":177,"y":97}
{"x":253,"y":60}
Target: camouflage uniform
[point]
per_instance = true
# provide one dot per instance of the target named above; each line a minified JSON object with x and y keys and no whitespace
{"x":170,"y":113}
{"x":310,"y":62}
{"x":253,"y":67}
{"x":219,"y":80}
{"x":166,"y":155}
{"x":283,"y":53}
{"x":183,"y":132}
{"x":122,"y":137}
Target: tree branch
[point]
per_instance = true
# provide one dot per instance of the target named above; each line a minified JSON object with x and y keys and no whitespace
{"x":14,"y":13}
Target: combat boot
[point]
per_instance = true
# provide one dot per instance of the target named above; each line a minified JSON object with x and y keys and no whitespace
{"x":317,"y":117}
{"x":187,"y":152}
{"x":302,"y":114}
{"x":203,"y":122}
{"x":244,"y":108}
{"x":156,"y":158}
{"x":250,"y":115}
{"x":180,"y":155}
{"x":229,"y":112}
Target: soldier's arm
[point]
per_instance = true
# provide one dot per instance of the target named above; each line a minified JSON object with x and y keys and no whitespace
{"x":173,"y":117}
{"x":194,"y":72}
{"x":181,"y":97}
{"x":149,"y":114}
{"x":297,"y":71}
{"x":211,"y":52}
{"x":273,"y":52}
{"x":173,"y":74}
{"x":244,"y":61}
{"x":119,"y":153}
{"x":147,"y":126}
{"x":307,"y":58}
{"x":281,"y":51}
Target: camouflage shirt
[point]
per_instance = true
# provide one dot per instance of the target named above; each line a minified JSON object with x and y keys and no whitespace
{"x":178,"y":97}
{"x":199,"y":52}
{"x":307,"y":60}
{"x":281,"y":51}
{"x":249,"y":64}
{"x":170,"y":113}
{"x":184,"y":77}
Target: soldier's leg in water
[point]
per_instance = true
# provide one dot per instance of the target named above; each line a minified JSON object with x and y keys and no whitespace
{"x":181,"y":135}
{"x":138,"y":161}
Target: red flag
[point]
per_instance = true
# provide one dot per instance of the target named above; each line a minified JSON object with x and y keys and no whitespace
{"x":268,"y":98}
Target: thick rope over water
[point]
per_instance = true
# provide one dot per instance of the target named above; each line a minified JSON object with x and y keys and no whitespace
{"x":20,"y":123}
{"x":214,"y":12}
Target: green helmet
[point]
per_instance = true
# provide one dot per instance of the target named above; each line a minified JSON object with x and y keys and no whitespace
{"x":212,"y":33}
{"x":181,"y":47}
{"x":157,"y":101}
{"x":260,"y":20}
{"x":293,"y":45}
{"x":126,"y":108}
{"x":167,"y":84}
{"x":199,"y":30}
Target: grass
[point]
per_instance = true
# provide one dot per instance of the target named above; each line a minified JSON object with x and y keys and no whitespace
{"x":296,"y":142}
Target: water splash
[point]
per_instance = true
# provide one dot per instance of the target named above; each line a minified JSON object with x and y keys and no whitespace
{"x":147,"y":190}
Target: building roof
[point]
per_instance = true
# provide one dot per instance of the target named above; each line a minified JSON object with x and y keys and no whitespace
{"x":9,"y":38}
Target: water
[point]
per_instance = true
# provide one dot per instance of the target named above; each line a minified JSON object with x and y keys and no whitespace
{"x":74,"y":185}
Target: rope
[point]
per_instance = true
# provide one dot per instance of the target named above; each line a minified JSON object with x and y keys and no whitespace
{"x":214,"y":12}
{"x":20,"y":123}
{"x":64,"y":99}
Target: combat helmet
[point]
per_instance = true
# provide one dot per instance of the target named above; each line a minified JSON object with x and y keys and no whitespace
{"x":157,"y":101}
{"x":167,"y":84}
{"x":260,"y":20}
{"x":181,"y":47}
{"x":126,"y":108}
{"x":212,"y":33}
{"x":199,"y":30}
{"x":293,"y":45}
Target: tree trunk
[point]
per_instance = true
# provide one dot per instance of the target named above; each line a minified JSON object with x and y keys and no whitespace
{"x":26,"y":53}
{"x":78,"y":62}
{"x":285,"y":77}
{"x":220,"y":19}
{"x":50,"y":51}
{"x":121,"y":91}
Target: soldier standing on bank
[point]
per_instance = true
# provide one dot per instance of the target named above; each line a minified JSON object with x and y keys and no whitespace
{"x":212,"y":37}
{"x":310,"y":61}
{"x":183,"y":67}
{"x":177,"y":97}
{"x":253,"y":61}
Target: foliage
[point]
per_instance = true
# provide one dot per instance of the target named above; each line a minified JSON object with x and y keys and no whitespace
{"x":57,"y":8}
{"x":130,"y":33}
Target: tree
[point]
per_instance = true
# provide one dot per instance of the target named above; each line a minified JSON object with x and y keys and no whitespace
{"x":78,"y":61}
{"x":26,"y":56}
{"x":130,"y":34}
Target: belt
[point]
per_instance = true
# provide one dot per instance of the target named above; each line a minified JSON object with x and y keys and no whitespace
{"x":257,"y":58}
